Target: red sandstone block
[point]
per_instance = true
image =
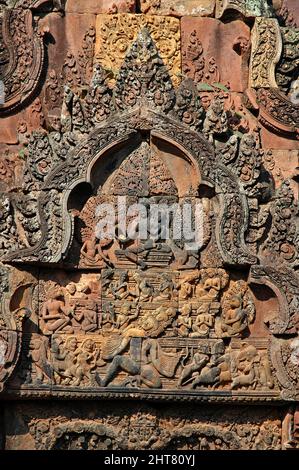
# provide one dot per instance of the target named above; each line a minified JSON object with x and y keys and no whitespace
{"x":216,"y":52}
{"x":101,"y":6}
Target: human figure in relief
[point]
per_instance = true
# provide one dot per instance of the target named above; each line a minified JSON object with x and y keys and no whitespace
{"x":92,"y":252}
{"x":183,"y":322}
{"x":55,"y":315}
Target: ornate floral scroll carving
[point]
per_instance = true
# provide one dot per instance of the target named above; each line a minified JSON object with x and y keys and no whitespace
{"x":19,"y":221}
{"x":145,"y":427}
{"x":57,"y":5}
{"x":9,"y":349}
{"x":75,"y":73}
{"x":265,"y":53}
{"x":232,"y":217}
{"x":22,"y":57}
{"x":148,"y":318}
{"x":282,"y":240}
{"x":150,"y":82}
{"x":11,"y":325}
{"x":244,"y":158}
{"x":271,"y":44}
{"x":195,"y":65}
{"x":277,"y":112}
{"x":134,"y":85}
{"x":188,"y":106}
{"x":287,"y":70}
{"x":112,"y":46}
{"x":284,"y":356}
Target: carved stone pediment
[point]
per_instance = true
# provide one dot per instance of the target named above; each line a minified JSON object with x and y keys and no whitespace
{"x":139,"y":104}
{"x":151,"y":316}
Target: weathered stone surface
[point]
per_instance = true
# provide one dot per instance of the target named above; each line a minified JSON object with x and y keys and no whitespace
{"x":289,"y":11}
{"x":115,"y":34}
{"x":206,"y":312}
{"x":265,"y":53}
{"x":271,"y":140}
{"x":112,"y":427}
{"x":11,"y":169}
{"x":287,"y":70}
{"x":248,"y":8}
{"x":216,"y":52}
{"x":284,"y":164}
{"x":16,"y":126}
{"x":71,"y":55}
{"x":178,"y":7}
{"x":151,"y":297}
{"x":8,"y":130}
{"x":22,"y":58}
{"x":100,"y":6}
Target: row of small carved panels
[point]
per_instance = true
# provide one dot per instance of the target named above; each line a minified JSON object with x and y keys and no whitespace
{"x":126,"y":362}
{"x":197,"y":304}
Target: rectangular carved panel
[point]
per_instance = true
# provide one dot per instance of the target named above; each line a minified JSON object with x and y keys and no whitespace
{"x":126,"y":426}
{"x":116,"y":33}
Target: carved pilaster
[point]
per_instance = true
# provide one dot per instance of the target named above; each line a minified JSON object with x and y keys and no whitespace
{"x":265,"y":53}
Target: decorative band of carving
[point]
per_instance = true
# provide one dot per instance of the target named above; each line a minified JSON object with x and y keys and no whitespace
{"x":22,"y":59}
{"x":277,"y":111}
{"x":265,"y":53}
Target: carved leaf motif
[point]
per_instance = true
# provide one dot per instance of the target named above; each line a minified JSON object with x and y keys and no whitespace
{"x":144,"y":77}
{"x":21,"y":57}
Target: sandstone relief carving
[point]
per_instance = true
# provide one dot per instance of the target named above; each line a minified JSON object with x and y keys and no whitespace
{"x":147,"y":428}
{"x":22,"y":56}
{"x":278,"y":108}
{"x":116,"y":34}
{"x":146,"y":314}
{"x":148,"y":230}
{"x":248,"y":8}
{"x":266,"y":52}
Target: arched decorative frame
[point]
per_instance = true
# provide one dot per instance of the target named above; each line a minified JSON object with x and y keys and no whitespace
{"x":77,"y":169}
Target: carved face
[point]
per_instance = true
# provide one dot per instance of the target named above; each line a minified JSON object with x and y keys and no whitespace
{"x":71,"y":288}
{"x":71,"y":344}
{"x":186,"y":310}
{"x":126,"y":310}
{"x":88,"y":345}
{"x":56,"y":294}
{"x":35,"y":343}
